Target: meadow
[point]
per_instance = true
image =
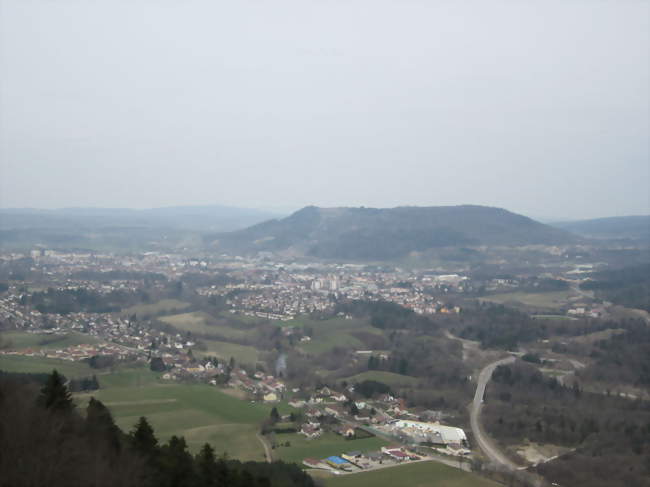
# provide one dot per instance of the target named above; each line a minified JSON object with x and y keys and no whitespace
{"x":420,"y":474}
{"x":18,"y":363}
{"x":199,"y":412}
{"x":195,"y":322}
{"x":216,"y":333}
{"x":334,"y":332}
{"x":202,"y":323}
{"x":243,"y":354}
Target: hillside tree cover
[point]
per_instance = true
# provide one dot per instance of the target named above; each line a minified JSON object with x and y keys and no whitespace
{"x":629,"y":286}
{"x":610,"y":435}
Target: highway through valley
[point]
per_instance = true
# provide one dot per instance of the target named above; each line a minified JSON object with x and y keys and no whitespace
{"x":484,"y":442}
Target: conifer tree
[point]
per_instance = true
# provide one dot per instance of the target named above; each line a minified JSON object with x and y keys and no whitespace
{"x":143,"y":439}
{"x":177,"y":467}
{"x":55,"y":394}
{"x":206,"y":464}
{"x":275,"y":416}
{"x":100,"y":425}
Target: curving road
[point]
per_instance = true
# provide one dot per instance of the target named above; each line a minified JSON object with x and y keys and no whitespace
{"x":485,"y":444}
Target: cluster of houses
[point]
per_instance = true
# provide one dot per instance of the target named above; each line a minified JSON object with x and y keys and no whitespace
{"x":584,"y":310}
{"x":278,"y":291}
{"x":328,"y":410}
{"x":74,"y":352}
{"x":280,"y":301}
{"x":263,"y":386}
{"x":271,"y":289}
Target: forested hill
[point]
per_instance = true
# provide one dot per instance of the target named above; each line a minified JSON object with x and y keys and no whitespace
{"x":375,"y":234}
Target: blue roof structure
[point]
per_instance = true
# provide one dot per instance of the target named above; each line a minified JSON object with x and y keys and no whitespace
{"x":336,"y":460}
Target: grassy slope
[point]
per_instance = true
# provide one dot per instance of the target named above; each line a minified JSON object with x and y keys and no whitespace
{"x":15,"y":363}
{"x":224,"y":350}
{"x":202,"y":323}
{"x":195,"y":321}
{"x":335,"y":332}
{"x":422,"y":474}
{"x":199,"y":412}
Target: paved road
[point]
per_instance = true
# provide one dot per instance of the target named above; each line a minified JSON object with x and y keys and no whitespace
{"x":485,"y":444}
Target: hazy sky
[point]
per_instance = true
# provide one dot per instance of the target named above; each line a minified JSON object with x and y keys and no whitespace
{"x":537,"y":106}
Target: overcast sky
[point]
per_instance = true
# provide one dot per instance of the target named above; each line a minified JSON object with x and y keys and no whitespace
{"x":538,"y":106}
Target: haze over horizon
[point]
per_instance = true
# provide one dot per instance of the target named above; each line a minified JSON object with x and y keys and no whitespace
{"x":539,"y":108}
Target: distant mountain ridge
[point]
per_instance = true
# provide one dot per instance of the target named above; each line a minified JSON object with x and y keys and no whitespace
{"x":219,"y":218}
{"x":634,"y":227}
{"x":117,"y":229}
{"x":386,"y":233}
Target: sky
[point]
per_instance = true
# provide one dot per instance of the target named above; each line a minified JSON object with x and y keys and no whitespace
{"x":540,"y":107}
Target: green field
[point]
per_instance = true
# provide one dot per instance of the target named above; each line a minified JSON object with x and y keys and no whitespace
{"x":199,"y":412}
{"x":129,"y":376}
{"x":204,"y":324}
{"x":334,"y":332}
{"x":322,"y":343}
{"x":388,"y":378}
{"x":17,"y":363}
{"x":243,"y":354}
{"x":549,"y":300}
{"x":328,"y":444}
{"x":421,"y":474}
{"x":19,"y":339}
{"x":153,"y":309}
{"x":196,"y":321}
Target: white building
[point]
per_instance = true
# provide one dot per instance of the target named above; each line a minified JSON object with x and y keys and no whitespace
{"x":449,"y":434}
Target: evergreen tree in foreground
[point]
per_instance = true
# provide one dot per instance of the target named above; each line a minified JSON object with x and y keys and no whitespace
{"x":206,"y":465}
{"x":55,"y":394}
{"x":275,"y":415}
{"x":176,"y":464}
{"x":143,"y":439}
{"x":101,"y":427}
